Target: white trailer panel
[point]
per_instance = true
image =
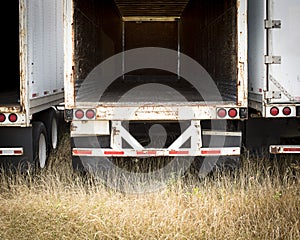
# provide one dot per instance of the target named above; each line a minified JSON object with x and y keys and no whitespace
{"x":274,"y":55}
{"x":45,"y":56}
{"x":284,"y":78}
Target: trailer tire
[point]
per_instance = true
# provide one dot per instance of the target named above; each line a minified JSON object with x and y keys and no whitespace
{"x":49,"y":118}
{"x":40,"y":145}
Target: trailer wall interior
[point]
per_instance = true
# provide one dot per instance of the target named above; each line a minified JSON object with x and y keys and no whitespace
{"x":213,"y":32}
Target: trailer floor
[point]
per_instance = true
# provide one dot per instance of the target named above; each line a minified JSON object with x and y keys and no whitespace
{"x":162,"y":89}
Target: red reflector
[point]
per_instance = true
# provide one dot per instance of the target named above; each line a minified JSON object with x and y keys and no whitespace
{"x":274,"y":111}
{"x":13,"y":117}
{"x":222,"y":113}
{"x":18,"y":152}
{"x":291,"y":149}
{"x":113,"y":152}
{"x":210,"y":152}
{"x":1,"y":152}
{"x":146,"y":152}
{"x":79,"y":114}
{"x":82,"y":152}
{"x":90,"y":114}
{"x":178,"y":152}
{"x":232,"y":113}
{"x":2,"y":117}
{"x":286,"y":111}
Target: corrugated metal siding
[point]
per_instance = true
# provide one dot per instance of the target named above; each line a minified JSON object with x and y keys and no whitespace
{"x":151,"y":8}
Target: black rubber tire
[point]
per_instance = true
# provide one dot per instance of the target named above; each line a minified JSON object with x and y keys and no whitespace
{"x":50,"y":121}
{"x":40,"y":145}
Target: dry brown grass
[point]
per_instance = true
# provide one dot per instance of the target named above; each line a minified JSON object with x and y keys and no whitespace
{"x":261,"y":201}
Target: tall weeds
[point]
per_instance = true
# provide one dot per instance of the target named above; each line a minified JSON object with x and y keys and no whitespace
{"x":260,"y":200}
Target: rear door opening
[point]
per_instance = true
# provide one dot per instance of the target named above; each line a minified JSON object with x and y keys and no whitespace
{"x":206,"y":31}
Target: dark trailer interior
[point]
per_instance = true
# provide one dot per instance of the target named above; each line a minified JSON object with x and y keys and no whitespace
{"x":10,"y":84}
{"x":204,"y":30}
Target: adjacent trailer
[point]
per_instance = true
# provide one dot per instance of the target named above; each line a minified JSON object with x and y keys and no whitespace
{"x":274,"y":75}
{"x":33,"y":83}
{"x":136,"y":66}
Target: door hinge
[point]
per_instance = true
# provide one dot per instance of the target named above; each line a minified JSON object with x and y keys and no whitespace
{"x":272,"y":59}
{"x":271,"y":24}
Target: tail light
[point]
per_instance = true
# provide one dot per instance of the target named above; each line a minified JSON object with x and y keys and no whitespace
{"x":232,"y":113}
{"x":286,"y":111}
{"x":79,"y":114}
{"x":2,"y":117}
{"x":13,"y":117}
{"x":274,"y":111}
{"x":90,"y":114}
{"x":222,"y":113}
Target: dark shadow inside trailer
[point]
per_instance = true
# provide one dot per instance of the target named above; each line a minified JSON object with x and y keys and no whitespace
{"x":10,"y":76}
{"x":204,"y":30}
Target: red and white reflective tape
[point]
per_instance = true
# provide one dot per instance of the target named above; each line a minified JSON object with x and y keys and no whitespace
{"x":225,"y":151}
{"x":11,"y":151}
{"x":97,"y":152}
{"x":285,"y":149}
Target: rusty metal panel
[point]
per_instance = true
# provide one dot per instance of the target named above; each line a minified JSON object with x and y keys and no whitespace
{"x":87,"y":37}
{"x":69,"y":36}
{"x":89,"y":128}
{"x":213,"y":41}
{"x":97,"y":33}
{"x":158,"y":111}
{"x":214,"y":34}
{"x":242,"y":54}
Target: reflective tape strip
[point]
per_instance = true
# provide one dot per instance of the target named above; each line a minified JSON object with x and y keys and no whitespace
{"x":97,"y":152}
{"x":284,"y":149}
{"x":82,"y":152}
{"x":226,"y":151}
{"x":146,"y":152}
{"x":11,"y":151}
{"x":113,"y":153}
{"x":179,"y":152}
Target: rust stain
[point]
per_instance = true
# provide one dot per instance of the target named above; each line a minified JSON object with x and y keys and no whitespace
{"x":238,"y":4}
{"x":9,"y":109}
{"x":115,"y":132}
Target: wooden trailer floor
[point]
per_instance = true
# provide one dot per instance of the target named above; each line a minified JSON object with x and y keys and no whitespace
{"x":135,"y":89}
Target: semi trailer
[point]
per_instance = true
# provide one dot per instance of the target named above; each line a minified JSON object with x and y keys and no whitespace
{"x":274,"y":76}
{"x":137,"y":70}
{"x":33,"y":82}
{"x":143,"y":79}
